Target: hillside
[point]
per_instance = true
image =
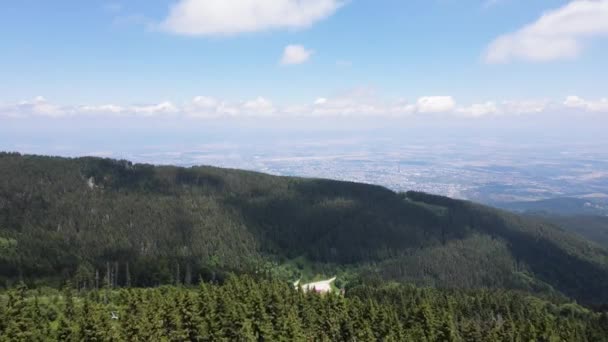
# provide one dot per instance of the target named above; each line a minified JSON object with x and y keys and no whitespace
{"x":100,"y":221}
{"x":593,"y":228}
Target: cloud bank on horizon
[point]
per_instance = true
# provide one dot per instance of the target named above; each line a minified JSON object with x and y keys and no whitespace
{"x":347,"y":105}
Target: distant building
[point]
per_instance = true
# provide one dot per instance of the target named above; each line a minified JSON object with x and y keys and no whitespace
{"x":323,"y":286}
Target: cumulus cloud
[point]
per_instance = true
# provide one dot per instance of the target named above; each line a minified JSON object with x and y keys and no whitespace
{"x":435,"y":104}
{"x":41,"y":107}
{"x":209,"y":107}
{"x":345,"y":105}
{"x":38,"y":106}
{"x":590,"y":106}
{"x":259,"y":106}
{"x":156,"y":109}
{"x":108,"y":108}
{"x":320,"y":101}
{"x":357,"y":103}
{"x":524,"y":106}
{"x":224,"y":17}
{"x":295,"y":54}
{"x":479,"y":109}
{"x":557,"y":34}
{"x":148,"y":110}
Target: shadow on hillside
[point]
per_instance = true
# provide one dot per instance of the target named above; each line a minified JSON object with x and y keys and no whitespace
{"x":331,"y":221}
{"x":537,"y":246}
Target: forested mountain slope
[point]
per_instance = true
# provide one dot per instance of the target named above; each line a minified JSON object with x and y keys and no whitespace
{"x":594,"y":228}
{"x":100,"y":221}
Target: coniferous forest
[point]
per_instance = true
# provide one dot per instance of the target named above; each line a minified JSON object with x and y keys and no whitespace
{"x":97,"y":249}
{"x":248,"y":309}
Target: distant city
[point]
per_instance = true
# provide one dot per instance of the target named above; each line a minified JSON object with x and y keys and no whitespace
{"x":484,"y":171}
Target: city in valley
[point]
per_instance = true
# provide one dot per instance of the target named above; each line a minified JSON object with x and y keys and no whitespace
{"x":488,"y":171}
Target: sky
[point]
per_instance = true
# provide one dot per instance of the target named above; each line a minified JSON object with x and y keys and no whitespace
{"x":71,"y":68}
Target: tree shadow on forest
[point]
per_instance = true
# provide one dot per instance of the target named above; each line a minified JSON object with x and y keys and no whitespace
{"x":582,"y":279}
{"x":331,"y":221}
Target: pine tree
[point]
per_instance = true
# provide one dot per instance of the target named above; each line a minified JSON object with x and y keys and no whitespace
{"x":425,"y":318}
{"x":261,"y":324}
{"x":471,"y":331}
{"x":209,"y":325}
{"x":293,"y":326}
{"x":40,"y":327}
{"x":129,"y":320}
{"x":151,"y":322}
{"x":228,"y":314}
{"x":189,"y":318}
{"x":64,"y":331}
{"x":245,"y":332}
{"x":171,"y":328}
{"x":529,"y":332}
{"x":91,"y":326}
{"x":69,"y":311}
{"x":3,"y":319}
{"x":447,"y":331}
{"x":19,"y":327}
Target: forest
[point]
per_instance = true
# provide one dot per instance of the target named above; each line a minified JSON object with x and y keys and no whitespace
{"x":261,"y":309}
{"x":592,"y":227}
{"x":139,"y":238}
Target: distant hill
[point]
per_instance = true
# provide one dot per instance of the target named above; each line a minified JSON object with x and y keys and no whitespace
{"x":102,"y":221}
{"x":560,"y":206}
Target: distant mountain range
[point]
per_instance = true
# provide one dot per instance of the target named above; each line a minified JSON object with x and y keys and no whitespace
{"x":560,"y":206}
{"x":101,"y":221}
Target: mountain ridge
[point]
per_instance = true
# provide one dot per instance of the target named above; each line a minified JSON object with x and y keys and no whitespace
{"x":101,"y":221}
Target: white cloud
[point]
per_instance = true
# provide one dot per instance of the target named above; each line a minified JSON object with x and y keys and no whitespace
{"x":162,"y":108}
{"x":557,"y":34}
{"x":479,"y":109}
{"x":524,"y":106}
{"x":41,"y":107}
{"x":435,"y":104}
{"x":575,"y":102}
{"x":258,"y":107}
{"x":590,"y":106}
{"x":341,"y":106}
{"x":108,"y":108}
{"x":221,"y":17}
{"x":209,"y":107}
{"x":356,"y":103}
{"x":320,"y":101}
{"x":38,"y":106}
{"x":295,"y":54}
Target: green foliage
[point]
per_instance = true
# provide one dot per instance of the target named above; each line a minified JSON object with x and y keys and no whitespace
{"x":104,"y":223}
{"x":249,"y":309}
{"x":594,"y":228}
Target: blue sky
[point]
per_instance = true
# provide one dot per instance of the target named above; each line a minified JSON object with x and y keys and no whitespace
{"x":212,"y":59}
{"x":101,"y":51}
